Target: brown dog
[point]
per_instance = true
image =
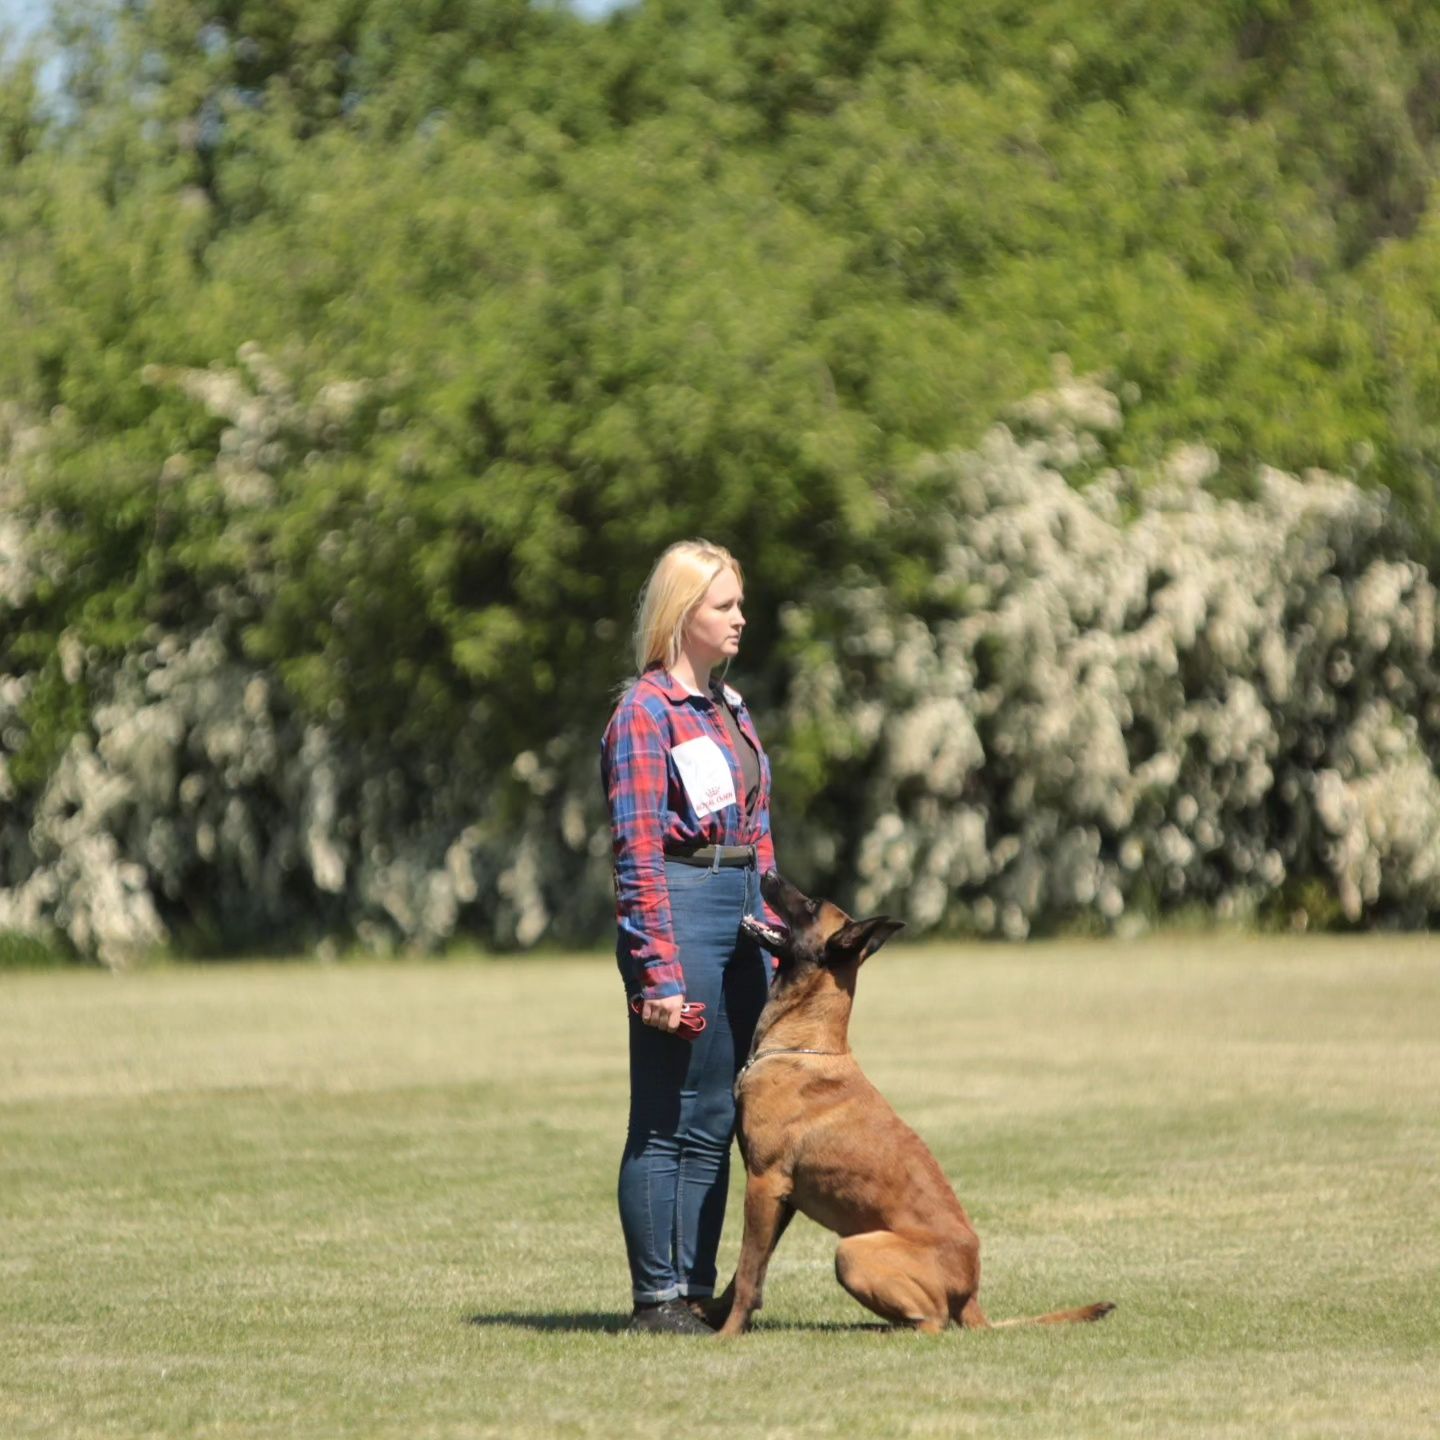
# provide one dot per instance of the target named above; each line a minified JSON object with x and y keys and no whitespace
{"x":817,"y":1137}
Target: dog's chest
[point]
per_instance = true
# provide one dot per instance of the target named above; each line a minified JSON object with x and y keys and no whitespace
{"x":778,"y":1112}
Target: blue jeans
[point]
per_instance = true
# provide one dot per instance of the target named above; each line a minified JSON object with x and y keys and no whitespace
{"x":675,"y":1170}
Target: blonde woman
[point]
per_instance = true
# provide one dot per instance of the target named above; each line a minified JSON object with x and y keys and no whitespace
{"x":689,"y":791}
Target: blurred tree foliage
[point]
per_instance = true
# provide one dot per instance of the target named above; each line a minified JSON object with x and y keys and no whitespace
{"x":713,"y":266}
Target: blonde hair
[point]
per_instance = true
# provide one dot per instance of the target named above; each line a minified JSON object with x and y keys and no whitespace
{"x":677,"y":584}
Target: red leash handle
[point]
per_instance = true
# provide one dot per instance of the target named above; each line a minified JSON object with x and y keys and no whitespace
{"x":692,"y":1022}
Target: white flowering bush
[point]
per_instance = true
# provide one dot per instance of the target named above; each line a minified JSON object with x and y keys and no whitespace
{"x":201,"y":806}
{"x":202,"y":809}
{"x":1127,"y":696}
{"x":1108,"y":695}
{"x":204,"y":798}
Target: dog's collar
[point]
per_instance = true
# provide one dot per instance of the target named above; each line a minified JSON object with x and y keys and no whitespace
{"x":765,"y":1054}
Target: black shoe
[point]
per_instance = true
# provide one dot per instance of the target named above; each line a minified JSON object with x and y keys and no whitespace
{"x":668,"y":1317}
{"x":706,"y":1313}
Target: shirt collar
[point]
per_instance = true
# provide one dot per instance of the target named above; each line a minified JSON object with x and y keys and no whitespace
{"x":677,"y":694}
{"x":667,"y":685}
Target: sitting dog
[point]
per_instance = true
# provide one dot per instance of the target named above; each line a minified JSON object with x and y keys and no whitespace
{"x":817,"y":1137}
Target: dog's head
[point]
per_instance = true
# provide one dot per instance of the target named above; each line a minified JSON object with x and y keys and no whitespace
{"x":816,"y":932}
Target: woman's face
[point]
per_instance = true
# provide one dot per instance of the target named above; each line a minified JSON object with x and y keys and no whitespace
{"x":712,"y":633}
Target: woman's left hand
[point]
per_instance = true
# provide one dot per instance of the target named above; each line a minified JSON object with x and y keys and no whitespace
{"x":663,"y":1014}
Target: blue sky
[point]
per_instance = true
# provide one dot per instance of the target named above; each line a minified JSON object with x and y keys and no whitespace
{"x":21,"y":16}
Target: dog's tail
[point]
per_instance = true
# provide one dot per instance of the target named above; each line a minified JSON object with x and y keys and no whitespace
{"x":973,"y":1317}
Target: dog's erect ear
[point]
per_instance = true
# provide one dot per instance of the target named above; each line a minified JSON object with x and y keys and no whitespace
{"x":860,"y":939}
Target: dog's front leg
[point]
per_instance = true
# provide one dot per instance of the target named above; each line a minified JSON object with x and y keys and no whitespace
{"x":767,"y":1213}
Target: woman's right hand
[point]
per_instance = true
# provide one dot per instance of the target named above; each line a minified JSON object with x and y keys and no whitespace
{"x":663,"y":1014}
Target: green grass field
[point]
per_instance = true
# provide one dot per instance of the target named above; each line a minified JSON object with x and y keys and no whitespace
{"x":378,"y":1200}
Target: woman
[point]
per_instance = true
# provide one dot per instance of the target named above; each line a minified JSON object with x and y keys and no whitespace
{"x":688,"y":787}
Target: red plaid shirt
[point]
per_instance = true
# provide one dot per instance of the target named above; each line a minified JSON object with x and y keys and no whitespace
{"x":652,"y":811}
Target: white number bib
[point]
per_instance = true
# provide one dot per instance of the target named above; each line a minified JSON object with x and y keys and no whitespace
{"x":705,"y":774}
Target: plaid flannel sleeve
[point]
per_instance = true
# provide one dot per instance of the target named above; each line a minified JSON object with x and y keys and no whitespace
{"x":636,"y":784}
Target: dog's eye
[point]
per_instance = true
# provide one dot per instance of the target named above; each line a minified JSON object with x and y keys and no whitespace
{"x":812,"y":909}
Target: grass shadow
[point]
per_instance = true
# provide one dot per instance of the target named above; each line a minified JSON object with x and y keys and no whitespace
{"x":611,"y":1323}
{"x":540,"y":1320}
{"x":830,"y":1327}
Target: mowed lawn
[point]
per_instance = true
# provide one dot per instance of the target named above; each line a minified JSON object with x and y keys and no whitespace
{"x":367,"y":1199}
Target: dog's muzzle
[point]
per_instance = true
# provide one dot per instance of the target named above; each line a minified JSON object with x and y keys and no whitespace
{"x":769,"y":936}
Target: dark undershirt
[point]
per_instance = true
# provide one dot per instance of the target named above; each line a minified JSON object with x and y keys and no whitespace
{"x":749,"y":760}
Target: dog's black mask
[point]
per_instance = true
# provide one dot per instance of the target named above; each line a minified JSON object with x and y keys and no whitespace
{"x":815,"y":931}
